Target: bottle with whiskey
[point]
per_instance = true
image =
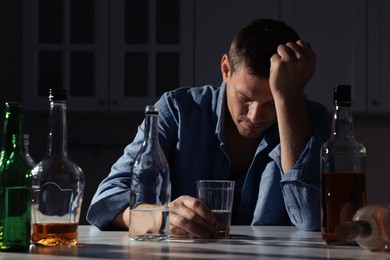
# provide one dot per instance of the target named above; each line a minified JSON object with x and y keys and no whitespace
{"x":58,"y":184}
{"x":15,"y":184}
{"x":343,"y":169}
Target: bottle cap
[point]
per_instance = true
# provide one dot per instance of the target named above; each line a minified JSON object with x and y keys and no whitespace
{"x":57,"y":94}
{"x":151,"y":110}
{"x":342,"y":95}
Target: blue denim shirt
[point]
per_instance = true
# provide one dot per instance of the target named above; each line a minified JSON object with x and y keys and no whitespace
{"x":191,"y":134}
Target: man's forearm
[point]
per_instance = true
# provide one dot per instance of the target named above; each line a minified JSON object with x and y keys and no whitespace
{"x":294,"y":130}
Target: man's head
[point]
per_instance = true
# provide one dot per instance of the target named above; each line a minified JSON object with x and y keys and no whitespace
{"x":254,"y":45}
{"x":246,"y":71}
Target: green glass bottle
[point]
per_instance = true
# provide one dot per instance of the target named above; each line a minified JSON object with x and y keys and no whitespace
{"x":15,"y":184}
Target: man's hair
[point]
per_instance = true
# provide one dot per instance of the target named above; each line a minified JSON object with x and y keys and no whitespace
{"x":254,"y":45}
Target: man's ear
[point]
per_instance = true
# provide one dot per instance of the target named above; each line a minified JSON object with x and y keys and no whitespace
{"x":225,"y":68}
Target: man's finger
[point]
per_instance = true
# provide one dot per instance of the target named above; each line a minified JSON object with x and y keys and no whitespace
{"x":286,"y":53}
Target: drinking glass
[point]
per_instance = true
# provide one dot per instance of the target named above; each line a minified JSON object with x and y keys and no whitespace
{"x":218,"y":197}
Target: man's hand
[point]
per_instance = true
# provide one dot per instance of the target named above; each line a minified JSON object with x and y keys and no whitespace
{"x":291,"y":68}
{"x":190,"y":217}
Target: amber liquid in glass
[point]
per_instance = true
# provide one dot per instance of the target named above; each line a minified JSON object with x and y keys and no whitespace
{"x":55,"y":234}
{"x":342,"y":195}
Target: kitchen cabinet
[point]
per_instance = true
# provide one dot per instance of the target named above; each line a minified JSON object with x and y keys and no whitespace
{"x":378,"y":66}
{"x":110,"y":55}
{"x":139,"y":49}
{"x":350,"y":38}
{"x":337,"y":31}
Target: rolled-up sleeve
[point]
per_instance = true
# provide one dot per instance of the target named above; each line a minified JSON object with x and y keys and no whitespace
{"x":301,"y":185}
{"x":113,"y":193}
{"x":301,"y":188}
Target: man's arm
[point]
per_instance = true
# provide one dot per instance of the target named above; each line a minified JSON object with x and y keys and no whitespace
{"x":141,"y":222}
{"x":291,"y":68}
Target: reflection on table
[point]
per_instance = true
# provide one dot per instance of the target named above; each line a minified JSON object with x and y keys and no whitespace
{"x":246,"y":242}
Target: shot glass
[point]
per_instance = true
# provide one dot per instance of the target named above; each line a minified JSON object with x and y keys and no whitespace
{"x":218,"y":197}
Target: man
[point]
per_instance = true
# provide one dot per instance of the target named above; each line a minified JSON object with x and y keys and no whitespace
{"x":257,"y":128}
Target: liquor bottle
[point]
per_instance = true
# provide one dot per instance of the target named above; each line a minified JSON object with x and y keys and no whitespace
{"x":343,"y":169}
{"x":15,"y":184}
{"x":30,"y":161}
{"x":370,"y":228}
{"x":58,"y":184}
{"x":150,"y":186}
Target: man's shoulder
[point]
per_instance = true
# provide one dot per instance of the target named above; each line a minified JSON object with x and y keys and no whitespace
{"x":195,"y":92}
{"x":188,"y":97}
{"x":192,"y":100}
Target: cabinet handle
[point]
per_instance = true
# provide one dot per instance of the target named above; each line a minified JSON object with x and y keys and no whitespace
{"x":375,"y":102}
{"x":114,"y":102}
{"x":101,"y":102}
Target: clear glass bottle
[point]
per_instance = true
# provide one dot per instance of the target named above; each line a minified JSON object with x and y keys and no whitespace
{"x":30,"y":161}
{"x":343,"y":169}
{"x":370,"y":228}
{"x":150,"y":186}
{"x":15,"y":184}
{"x":58,"y":184}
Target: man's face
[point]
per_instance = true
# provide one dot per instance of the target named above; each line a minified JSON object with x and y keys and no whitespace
{"x":250,"y":103}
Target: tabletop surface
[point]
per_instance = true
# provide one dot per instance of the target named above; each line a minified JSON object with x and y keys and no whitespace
{"x":246,"y":242}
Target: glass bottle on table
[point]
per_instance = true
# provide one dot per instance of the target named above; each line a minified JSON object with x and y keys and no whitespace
{"x":149,"y":186}
{"x":15,"y":184}
{"x":343,"y":169}
{"x":58,"y":184}
{"x":370,"y":228}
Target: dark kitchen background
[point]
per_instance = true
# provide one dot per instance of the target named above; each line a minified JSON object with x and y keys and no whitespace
{"x":115,"y":57}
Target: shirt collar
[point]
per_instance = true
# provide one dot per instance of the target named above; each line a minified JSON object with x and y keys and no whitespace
{"x":220,"y":112}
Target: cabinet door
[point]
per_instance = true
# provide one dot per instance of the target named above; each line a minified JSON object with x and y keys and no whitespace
{"x":109,"y":55}
{"x":378,"y":56}
{"x":65,"y":46}
{"x":337,"y":32}
{"x":151,"y":50}
{"x":216,"y":23}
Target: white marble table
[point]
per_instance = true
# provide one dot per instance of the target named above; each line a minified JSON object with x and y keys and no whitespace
{"x":262,"y":242}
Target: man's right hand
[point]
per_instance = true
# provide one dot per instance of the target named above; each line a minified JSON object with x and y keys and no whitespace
{"x":190,"y":217}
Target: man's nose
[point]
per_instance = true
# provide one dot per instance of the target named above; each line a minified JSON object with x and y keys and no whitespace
{"x":255,"y":113}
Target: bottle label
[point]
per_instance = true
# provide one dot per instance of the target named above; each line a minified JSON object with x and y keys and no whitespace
{"x":54,"y":201}
{"x":17,"y":200}
{"x":17,"y":215}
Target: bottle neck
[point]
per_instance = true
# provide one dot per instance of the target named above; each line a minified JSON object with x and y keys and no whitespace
{"x":151,"y":128}
{"x":57,"y":138}
{"x":351,"y":231}
{"x":13,"y":135}
{"x":26,"y":142}
{"x":342,"y":122}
